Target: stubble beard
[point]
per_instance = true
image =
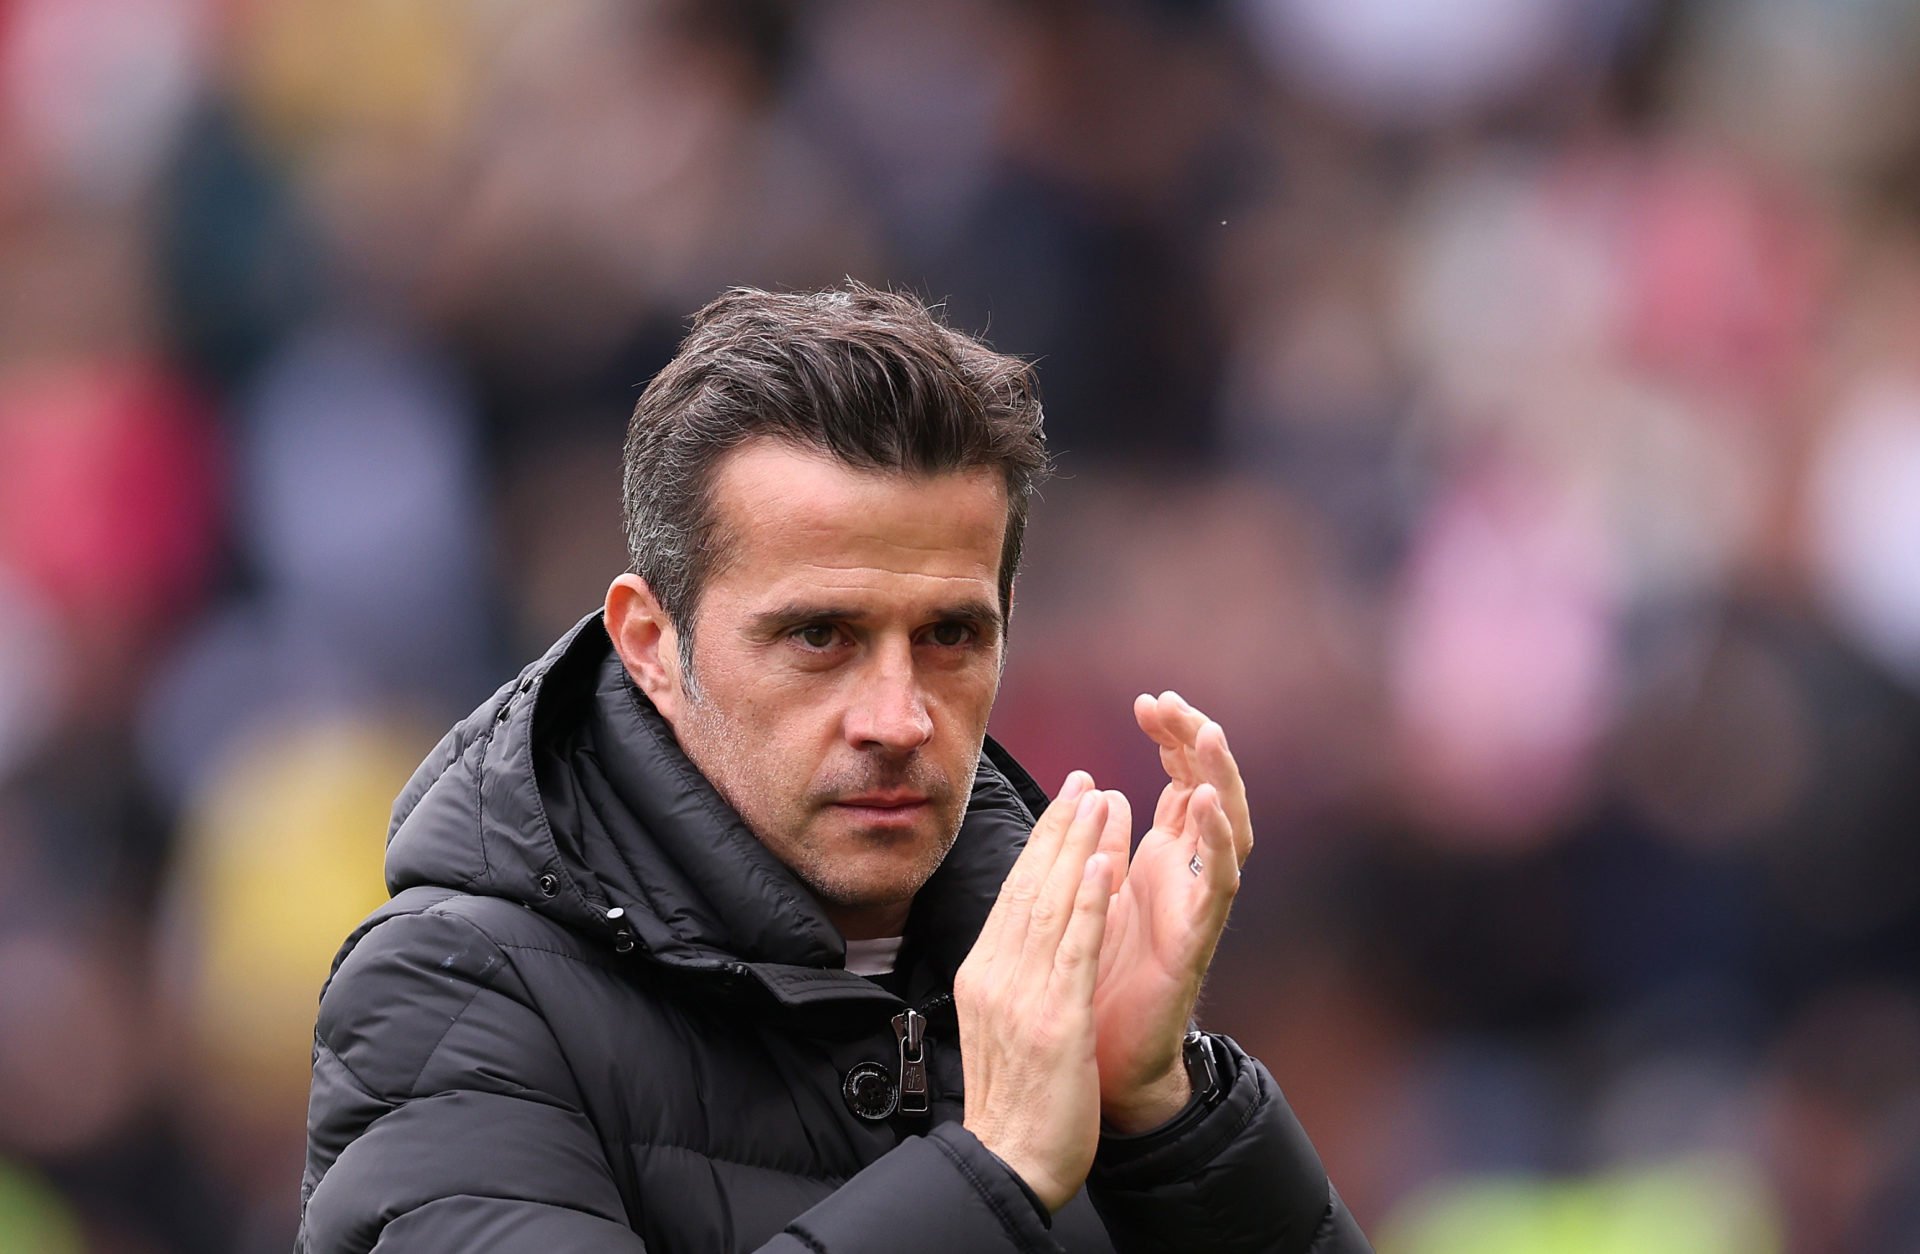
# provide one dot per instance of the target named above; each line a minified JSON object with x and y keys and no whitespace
{"x":726,"y":753}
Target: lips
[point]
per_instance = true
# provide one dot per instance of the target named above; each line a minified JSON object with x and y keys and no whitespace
{"x":883,"y":801}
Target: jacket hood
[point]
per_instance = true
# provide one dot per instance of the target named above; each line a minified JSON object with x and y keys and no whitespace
{"x":567,"y":793}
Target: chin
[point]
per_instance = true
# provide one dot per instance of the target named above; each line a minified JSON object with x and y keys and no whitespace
{"x":862,"y":883}
{"x":852,"y":864}
{"x":872,"y":879}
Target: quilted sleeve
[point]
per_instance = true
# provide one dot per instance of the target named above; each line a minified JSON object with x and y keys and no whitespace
{"x":1238,"y":1177}
{"x":442,"y":1116}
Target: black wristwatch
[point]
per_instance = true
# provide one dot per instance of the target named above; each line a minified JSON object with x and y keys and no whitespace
{"x":1203,"y":1069}
{"x":1207,"y":1078}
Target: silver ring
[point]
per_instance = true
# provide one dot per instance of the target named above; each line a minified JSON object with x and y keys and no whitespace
{"x":1196,"y":866}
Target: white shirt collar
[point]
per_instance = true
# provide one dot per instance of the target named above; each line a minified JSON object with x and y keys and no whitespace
{"x":873,"y":957}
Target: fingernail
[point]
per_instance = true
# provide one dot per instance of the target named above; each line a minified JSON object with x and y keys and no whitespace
{"x":1096,"y":867}
{"x":1075,"y":782}
{"x":1086,"y":805}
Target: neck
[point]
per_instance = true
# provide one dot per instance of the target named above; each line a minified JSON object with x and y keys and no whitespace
{"x":869,"y":922}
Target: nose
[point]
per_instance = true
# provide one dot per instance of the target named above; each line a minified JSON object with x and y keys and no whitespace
{"x":890,"y":710}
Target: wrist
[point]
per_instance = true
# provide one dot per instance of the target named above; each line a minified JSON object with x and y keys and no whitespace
{"x":1149,"y":1105}
{"x":1034,"y":1179}
{"x":1042,"y":1207}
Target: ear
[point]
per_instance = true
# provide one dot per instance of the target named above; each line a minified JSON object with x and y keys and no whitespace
{"x":647,"y":642}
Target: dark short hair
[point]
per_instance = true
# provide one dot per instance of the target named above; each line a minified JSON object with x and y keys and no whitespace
{"x":875,"y":379}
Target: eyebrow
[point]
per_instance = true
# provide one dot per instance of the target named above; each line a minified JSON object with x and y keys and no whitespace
{"x":785,"y":617}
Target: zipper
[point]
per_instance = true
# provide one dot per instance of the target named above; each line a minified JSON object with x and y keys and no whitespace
{"x":910,"y":1027}
{"x":910,"y":1030}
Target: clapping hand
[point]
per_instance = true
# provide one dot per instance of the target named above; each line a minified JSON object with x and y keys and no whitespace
{"x":1025,"y":998}
{"x":1167,"y":914}
{"x":1076,"y":995}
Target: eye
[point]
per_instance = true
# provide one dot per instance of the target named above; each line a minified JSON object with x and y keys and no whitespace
{"x":815,"y":635}
{"x":951,"y":635}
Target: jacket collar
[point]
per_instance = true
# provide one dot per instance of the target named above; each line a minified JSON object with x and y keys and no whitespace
{"x":584,"y":805}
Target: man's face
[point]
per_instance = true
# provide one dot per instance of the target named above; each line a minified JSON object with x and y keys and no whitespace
{"x":846,"y":653}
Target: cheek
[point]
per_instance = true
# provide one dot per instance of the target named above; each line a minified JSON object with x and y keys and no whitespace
{"x":968,"y":693}
{"x":782,"y":739}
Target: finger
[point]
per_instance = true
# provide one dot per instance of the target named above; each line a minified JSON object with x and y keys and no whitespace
{"x":1154,"y":720}
{"x":1076,"y":962}
{"x":1172,"y":756}
{"x":1043,"y":842}
{"x":1181,"y":718}
{"x":1218,"y":768}
{"x":1047,"y":919}
{"x":1144,"y":711}
{"x":1116,"y":838}
{"x":1176,"y":726}
{"x":1171,"y":812}
{"x":1214,"y":845}
{"x":1006,"y":921}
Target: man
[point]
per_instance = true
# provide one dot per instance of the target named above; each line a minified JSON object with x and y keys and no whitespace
{"x":723,"y":927}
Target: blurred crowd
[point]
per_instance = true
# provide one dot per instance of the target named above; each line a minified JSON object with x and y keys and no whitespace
{"x":1503,"y":415}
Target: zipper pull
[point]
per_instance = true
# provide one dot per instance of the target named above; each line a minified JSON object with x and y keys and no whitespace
{"x":911,"y":1027}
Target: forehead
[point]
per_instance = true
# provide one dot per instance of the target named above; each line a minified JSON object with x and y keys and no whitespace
{"x":794,"y":519}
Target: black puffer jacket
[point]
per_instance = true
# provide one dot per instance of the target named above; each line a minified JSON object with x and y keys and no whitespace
{"x":598,"y":1015}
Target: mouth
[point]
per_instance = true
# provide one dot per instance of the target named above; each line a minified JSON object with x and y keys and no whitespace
{"x":882,"y":806}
